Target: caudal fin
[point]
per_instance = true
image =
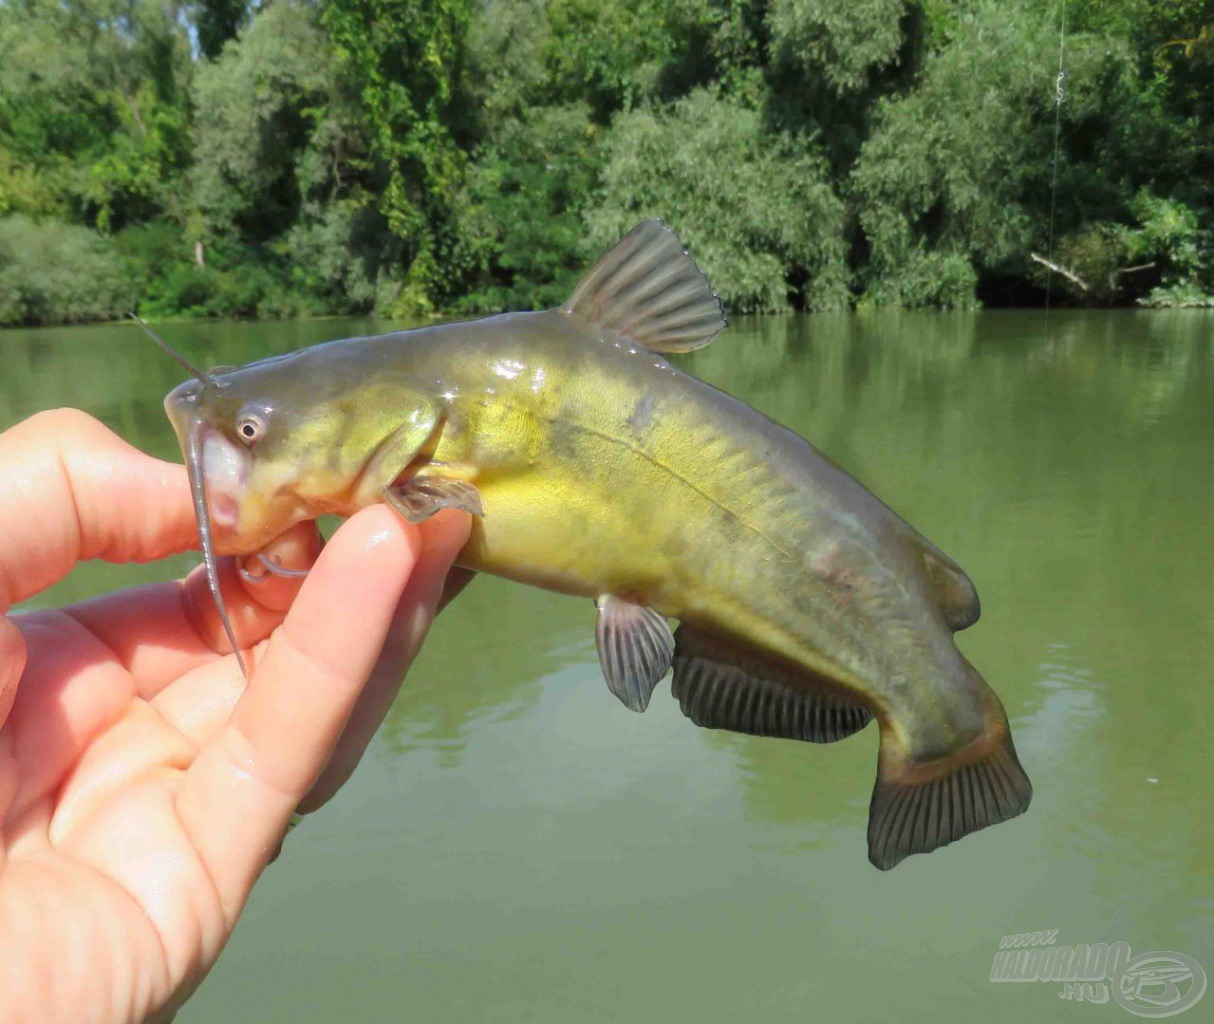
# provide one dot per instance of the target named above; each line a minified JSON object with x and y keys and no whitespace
{"x":918,"y":807}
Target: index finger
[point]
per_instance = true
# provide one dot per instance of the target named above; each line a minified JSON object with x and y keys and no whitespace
{"x":74,"y":490}
{"x":239,"y":793}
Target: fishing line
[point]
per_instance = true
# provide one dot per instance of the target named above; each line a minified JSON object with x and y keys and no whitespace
{"x":1059,"y":96}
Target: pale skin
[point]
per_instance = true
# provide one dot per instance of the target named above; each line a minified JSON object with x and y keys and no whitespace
{"x":144,"y":784}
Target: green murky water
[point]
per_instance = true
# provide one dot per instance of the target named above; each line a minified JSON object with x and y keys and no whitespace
{"x":518,"y":847}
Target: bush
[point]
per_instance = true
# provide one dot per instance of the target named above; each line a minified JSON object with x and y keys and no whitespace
{"x":1161,"y":261}
{"x":960,"y":168}
{"x":1170,"y":233}
{"x":243,"y":291}
{"x":152,"y":251}
{"x":53,"y":272}
{"x":1178,"y":296}
{"x":935,"y":279}
{"x":335,"y":257}
{"x":754,"y":206}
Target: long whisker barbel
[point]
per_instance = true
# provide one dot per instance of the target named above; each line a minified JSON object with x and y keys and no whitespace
{"x":190,"y":368}
{"x":193,"y":464}
{"x":198,"y":494}
{"x":242,"y":567}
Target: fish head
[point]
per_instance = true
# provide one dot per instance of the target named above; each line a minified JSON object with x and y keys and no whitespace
{"x":233,"y":454}
{"x":289,"y":438}
{"x":270,"y":445}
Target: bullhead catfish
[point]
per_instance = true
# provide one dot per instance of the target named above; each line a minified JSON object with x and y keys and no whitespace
{"x":593,"y":467}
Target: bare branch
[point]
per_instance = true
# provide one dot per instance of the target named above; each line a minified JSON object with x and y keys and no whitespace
{"x":1070,"y":275}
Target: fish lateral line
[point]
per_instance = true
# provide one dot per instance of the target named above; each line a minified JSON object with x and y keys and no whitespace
{"x":675,"y":474}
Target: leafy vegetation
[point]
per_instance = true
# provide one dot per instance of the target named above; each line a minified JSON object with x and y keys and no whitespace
{"x":771,"y":227}
{"x":296,"y":157}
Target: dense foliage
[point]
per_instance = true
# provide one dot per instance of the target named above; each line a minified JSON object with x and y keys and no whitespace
{"x":413,"y":157}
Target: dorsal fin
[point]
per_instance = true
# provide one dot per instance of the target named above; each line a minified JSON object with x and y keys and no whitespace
{"x":648,"y":289}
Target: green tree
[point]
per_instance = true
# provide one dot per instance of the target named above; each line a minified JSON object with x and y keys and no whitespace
{"x":521,"y":216}
{"x":954,"y":181}
{"x":755,"y":206}
{"x":289,"y":157}
{"x":217,"y":21}
{"x":840,"y":45}
{"x":403,"y":62}
{"x":93,"y":101}
{"x":259,"y":104}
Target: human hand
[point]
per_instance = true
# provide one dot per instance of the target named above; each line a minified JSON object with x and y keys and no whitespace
{"x":144,"y":785}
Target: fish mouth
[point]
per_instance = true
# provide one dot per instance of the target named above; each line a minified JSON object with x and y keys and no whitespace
{"x":222,"y":465}
{"x":225,"y":470}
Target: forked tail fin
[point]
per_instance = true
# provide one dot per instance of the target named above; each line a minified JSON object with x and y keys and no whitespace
{"x":918,"y":806}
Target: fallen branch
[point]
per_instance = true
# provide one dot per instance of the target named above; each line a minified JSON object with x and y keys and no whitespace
{"x":1134,"y":270}
{"x":1070,"y":275}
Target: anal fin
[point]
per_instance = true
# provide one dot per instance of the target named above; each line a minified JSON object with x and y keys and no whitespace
{"x":719,"y":689}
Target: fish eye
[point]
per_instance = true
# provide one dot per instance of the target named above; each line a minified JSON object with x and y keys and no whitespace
{"x":250,"y":427}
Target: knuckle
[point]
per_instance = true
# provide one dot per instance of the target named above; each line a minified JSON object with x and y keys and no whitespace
{"x":315,"y":654}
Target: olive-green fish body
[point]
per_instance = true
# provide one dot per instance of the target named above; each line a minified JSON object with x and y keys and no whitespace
{"x":807,"y":605}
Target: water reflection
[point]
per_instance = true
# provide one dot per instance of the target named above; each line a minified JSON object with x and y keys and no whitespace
{"x":485,"y":661}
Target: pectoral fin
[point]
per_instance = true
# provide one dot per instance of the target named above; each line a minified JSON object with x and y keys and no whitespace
{"x":719,"y":688}
{"x":635,"y":647}
{"x":420,"y":497}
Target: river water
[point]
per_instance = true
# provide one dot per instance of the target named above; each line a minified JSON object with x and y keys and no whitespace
{"x":518,"y":847}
